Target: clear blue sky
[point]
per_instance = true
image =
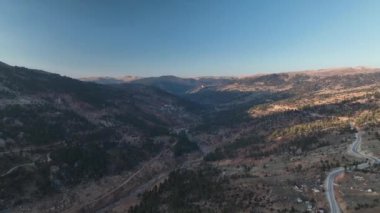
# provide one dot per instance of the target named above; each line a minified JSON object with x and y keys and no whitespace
{"x":188,"y":37}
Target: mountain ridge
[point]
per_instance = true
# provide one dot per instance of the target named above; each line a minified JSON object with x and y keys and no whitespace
{"x":322,"y":71}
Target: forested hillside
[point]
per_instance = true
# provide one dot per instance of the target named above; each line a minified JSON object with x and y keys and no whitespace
{"x":179,"y":145}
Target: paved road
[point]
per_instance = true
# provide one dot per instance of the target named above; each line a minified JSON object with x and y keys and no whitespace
{"x":109,"y":196}
{"x":16,"y":167}
{"x":330,"y":194}
{"x":355,"y":150}
{"x":30,"y":148}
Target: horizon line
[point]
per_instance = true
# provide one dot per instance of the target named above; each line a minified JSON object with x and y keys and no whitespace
{"x":257,"y":73}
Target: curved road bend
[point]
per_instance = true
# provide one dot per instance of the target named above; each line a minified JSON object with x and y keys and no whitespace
{"x":355,"y":150}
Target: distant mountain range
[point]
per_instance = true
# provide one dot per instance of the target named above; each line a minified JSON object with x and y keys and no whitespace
{"x":208,"y":90}
{"x":189,"y":84}
{"x":110,"y":80}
